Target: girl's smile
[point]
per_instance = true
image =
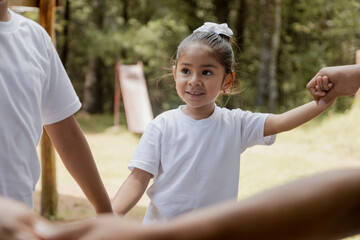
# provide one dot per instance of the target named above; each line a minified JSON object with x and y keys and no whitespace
{"x":194,"y":93}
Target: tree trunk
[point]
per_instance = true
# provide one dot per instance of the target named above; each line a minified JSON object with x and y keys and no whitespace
{"x":65,"y":49}
{"x":125,"y":11}
{"x":92,"y":102}
{"x":240,"y":23}
{"x":239,"y":28}
{"x":275,"y":42}
{"x":221,"y":10}
{"x":90,"y":96}
{"x":267,"y":85}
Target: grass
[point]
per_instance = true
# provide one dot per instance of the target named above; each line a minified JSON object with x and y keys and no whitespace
{"x":330,"y":142}
{"x":97,"y":123}
{"x":317,"y":146}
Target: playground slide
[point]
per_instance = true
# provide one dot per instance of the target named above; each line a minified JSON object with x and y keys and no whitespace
{"x":135,"y":96}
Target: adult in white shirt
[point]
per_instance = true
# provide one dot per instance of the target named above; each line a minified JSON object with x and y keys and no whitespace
{"x":35,"y":91}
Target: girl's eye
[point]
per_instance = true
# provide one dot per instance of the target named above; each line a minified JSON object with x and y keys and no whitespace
{"x":185,"y":71}
{"x":206,"y":73}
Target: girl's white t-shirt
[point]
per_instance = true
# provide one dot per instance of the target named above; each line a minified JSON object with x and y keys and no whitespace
{"x":196,"y":163}
{"x":34,"y":90}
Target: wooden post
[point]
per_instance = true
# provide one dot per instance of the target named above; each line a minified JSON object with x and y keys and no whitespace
{"x":29,"y":3}
{"x":49,"y":194}
{"x":357,"y":95}
{"x":117,"y":94}
{"x":48,"y":176}
{"x":25,"y":3}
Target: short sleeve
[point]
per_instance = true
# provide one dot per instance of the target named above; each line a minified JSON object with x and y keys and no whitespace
{"x":252,"y":126}
{"x":268,"y":140}
{"x":147,"y":154}
{"x":59,"y":99}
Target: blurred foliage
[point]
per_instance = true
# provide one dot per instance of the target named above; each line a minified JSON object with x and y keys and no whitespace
{"x":95,"y":123}
{"x":314,"y":34}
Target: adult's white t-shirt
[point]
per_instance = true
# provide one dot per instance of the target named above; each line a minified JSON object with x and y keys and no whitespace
{"x":34,"y":91}
{"x":196,"y":163}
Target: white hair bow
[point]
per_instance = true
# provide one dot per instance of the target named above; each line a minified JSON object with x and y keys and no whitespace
{"x":216,"y":28}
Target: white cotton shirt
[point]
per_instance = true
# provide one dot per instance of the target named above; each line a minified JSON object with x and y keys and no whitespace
{"x":196,"y":163}
{"x":34,"y":90}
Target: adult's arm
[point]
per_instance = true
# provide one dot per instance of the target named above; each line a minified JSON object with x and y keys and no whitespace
{"x":321,"y":207}
{"x":345,"y":80}
{"x":73,"y":149}
{"x":324,"y":206}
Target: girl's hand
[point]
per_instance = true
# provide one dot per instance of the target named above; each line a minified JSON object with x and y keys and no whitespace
{"x":320,"y":87}
{"x":323,"y":84}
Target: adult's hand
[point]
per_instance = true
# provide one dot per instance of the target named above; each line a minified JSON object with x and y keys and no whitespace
{"x":104,"y":227}
{"x":16,"y":221}
{"x":345,"y":80}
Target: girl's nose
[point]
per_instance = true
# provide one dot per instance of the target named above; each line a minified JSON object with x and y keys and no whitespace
{"x":194,"y":81}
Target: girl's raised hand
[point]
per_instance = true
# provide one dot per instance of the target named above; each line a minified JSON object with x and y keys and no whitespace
{"x":319,"y":87}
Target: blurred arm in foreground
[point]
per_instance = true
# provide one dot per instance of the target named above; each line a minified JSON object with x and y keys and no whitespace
{"x":16,"y":221}
{"x":323,"y":206}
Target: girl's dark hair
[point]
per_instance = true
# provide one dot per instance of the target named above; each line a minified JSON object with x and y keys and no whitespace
{"x":220,"y":45}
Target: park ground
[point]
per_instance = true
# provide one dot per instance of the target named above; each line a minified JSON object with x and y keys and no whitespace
{"x":329,"y":142}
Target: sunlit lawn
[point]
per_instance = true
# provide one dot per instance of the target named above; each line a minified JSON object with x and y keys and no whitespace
{"x":329,"y":143}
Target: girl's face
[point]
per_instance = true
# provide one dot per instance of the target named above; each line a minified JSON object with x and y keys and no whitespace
{"x":199,"y":78}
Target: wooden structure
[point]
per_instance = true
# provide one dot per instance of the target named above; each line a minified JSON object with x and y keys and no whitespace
{"x":32,"y":3}
{"x":130,"y":84}
{"x":48,"y":175}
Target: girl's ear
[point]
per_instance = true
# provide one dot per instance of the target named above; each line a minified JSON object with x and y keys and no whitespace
{"x":229,"y":79}
{"x":174,"y":72}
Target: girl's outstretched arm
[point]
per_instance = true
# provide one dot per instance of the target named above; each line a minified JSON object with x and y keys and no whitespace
{"x":131,"y":191}
{"x":293,"y":118}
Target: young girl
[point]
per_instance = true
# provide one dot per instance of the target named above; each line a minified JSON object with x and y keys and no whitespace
{"x":193,"y":152}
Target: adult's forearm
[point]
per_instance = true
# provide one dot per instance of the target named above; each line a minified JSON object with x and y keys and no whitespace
{"x":325,"y":206}
{"x":349,"y":72}
{"x":75,"y":153}
{"x":83,"y":169}
{"x":89,"y":180}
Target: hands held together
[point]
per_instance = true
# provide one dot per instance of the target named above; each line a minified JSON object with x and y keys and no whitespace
{"x":332,"y":82}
